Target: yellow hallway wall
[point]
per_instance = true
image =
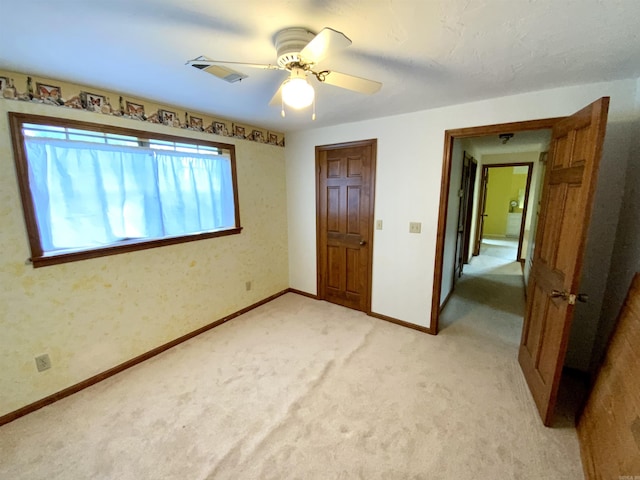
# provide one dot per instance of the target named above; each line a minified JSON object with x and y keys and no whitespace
{"x":94,"y":314}
{"x":502,"y":188}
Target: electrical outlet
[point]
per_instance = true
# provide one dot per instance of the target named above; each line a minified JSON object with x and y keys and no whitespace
{"x":415,"y":227}
{"x":378,"y":224}
{"x":247,"y":285}
{"x":43,"y":362}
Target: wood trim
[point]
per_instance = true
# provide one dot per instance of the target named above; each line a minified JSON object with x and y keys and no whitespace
{"x":511,"y":164}
{"x":9,"y":417}
{"x":127,"y":246}
{"x":525,"y":209}
{"x":495,"y":129}
{"x":442,"y":230}
{"x":379,"y":316}
{"x":304,"y":294}
{"x":449,"y":137}
{"x":402,"y":323}
{"x":22,"y":174}
{"x":480,"y":208}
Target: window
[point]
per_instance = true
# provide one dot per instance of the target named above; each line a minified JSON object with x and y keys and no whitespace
{"x":90,"y":190}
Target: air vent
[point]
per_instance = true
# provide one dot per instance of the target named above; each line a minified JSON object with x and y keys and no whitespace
{"x":226,"y":74}
{"x":234,"y":77}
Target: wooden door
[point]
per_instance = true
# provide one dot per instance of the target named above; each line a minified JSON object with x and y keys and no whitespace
{"x":469,"y":210}
{"x":464,"y":214}
{"x":482,"y":206}
{"x":345,"y":180}
{"x":567,"y":199}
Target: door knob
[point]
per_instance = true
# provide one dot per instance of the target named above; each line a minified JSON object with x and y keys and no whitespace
{"x":363,"y":243}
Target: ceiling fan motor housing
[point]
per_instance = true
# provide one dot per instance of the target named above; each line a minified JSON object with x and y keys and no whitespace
{"x":289,"y":43}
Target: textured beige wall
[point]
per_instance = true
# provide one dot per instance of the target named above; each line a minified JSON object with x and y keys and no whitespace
{"x":94,"y":314}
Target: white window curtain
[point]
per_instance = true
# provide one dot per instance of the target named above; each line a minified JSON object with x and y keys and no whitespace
{"x":90,"y":195}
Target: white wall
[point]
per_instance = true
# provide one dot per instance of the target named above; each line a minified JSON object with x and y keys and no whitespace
{"x":625,"y":261}
{"x":409,"y":163}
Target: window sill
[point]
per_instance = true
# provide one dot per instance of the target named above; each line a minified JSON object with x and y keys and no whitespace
{"x":124,"y":247}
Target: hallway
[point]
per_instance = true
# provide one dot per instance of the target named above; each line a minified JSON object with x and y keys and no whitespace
{"x":488,"y":305}
{"x":488,"y":299}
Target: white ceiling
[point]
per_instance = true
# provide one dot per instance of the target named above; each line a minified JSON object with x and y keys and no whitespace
{"x":427,"y":53}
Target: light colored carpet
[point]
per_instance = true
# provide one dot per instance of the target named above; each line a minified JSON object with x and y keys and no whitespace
{"x":302,"y":389}
{"x":502,"y":247}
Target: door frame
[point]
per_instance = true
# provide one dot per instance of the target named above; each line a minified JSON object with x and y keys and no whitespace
{"x":523,"y":221}
{"x":467,"y":187}
{"x":449,"y":137}
{"x":373,"y":143}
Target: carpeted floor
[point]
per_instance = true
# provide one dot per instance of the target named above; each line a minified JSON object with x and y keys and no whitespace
{"x":302,"y":389}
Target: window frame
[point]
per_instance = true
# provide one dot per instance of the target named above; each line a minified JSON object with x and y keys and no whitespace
{"x":38,"y":257}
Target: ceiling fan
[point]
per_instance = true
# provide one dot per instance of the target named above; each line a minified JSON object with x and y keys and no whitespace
{"x":298,"y":52}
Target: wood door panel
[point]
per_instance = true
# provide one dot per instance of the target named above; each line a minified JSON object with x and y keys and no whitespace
{"x":571,"y":175}
{"x":352,"y":279}
{"x":354,"y":167}
{"x":572,"y":218}
{"x":566,"y":205}
{"x":333,"y":209}
{"x":581,"y":151}
{"x":609,"y":427}
{"x":548,"y":350}
{"x":345,"y":177}
{"x":333,"y":168}
{"x":354,"y":194}
{"x":560,"y":152}
{"x":538,"y":307}
{"x":551,"y":222}
{"x":334,"y":261}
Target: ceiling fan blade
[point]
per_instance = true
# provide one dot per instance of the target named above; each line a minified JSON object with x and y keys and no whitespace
{"x":351,"y":82}
{"x":203,"y":62}
{"x":325,"y":43}
{"x":277,"y":98}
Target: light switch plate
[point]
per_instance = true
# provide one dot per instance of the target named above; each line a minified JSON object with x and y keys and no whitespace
{"x":378,"y":224}
{"x":415,"y":227}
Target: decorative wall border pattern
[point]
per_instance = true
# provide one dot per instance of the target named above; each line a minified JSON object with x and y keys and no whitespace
{"x":48,"y":92}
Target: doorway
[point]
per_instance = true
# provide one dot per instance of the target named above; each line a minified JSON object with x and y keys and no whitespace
{"x":345,"y":179}
{"x":565,"y":210}
{"x":452,"y":166}
{"x":503,"y":205}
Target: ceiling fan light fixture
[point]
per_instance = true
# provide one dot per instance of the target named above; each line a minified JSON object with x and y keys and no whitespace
{"x":297,"y":92}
